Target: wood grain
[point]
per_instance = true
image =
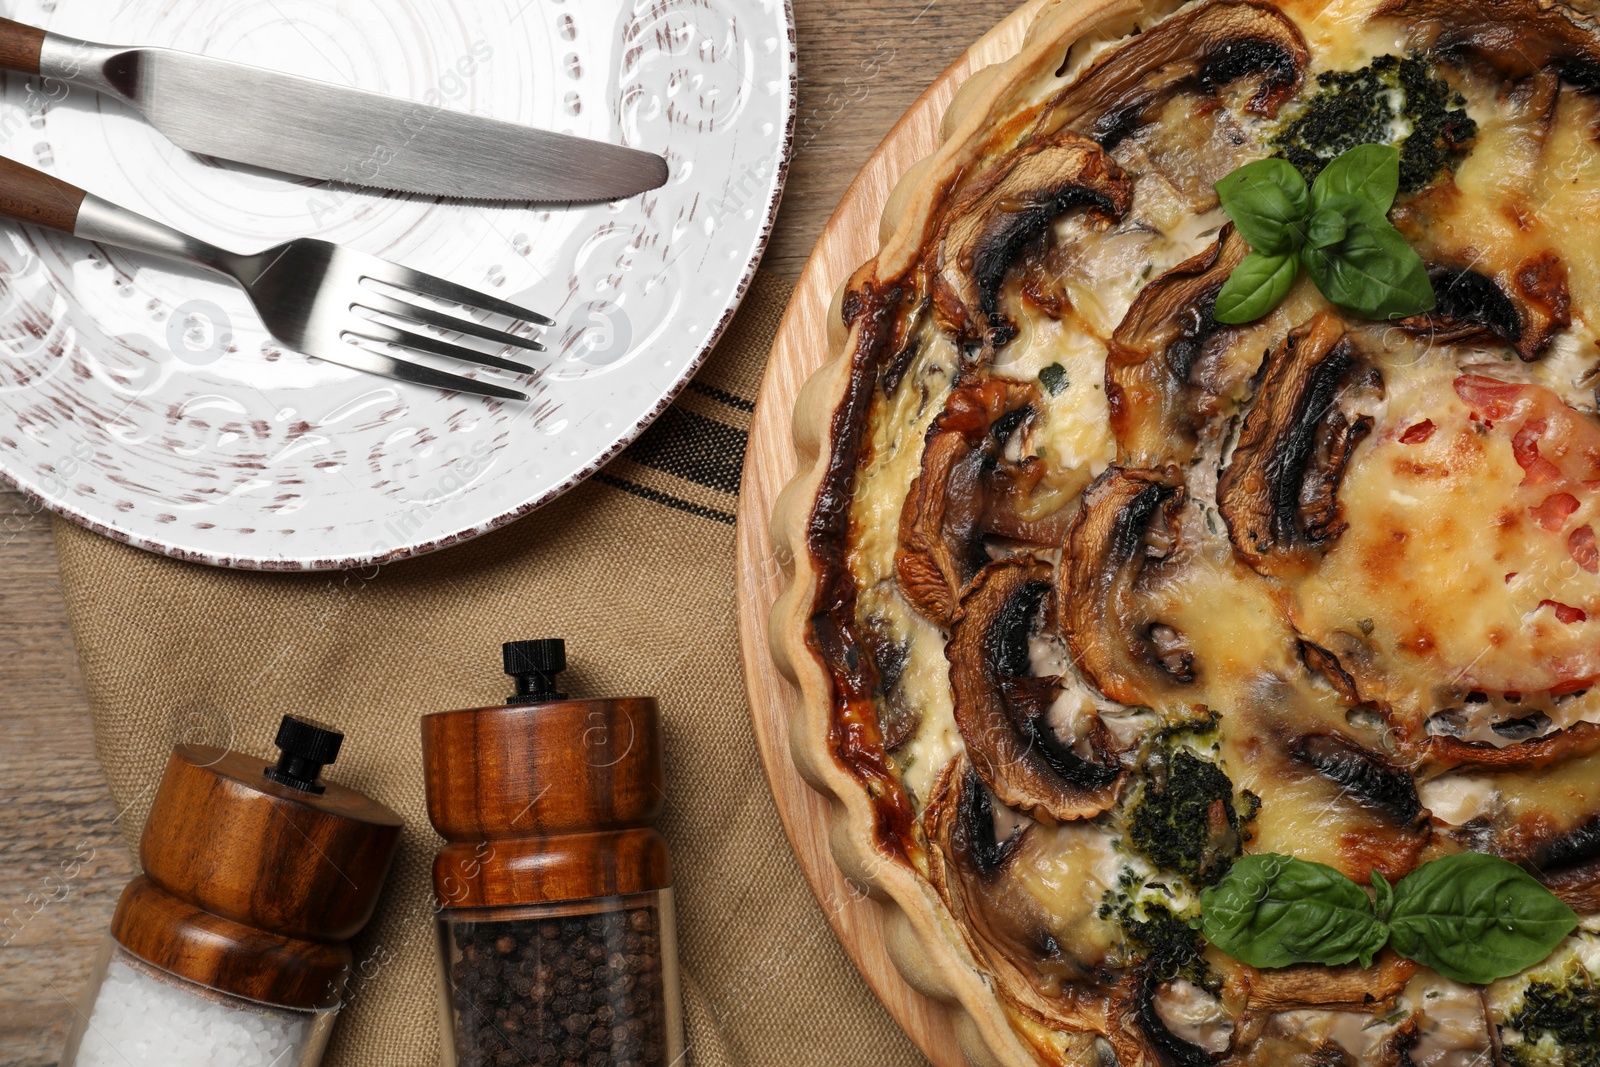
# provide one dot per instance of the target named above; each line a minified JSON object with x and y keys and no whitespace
{"x":20,"y":46}
{"x":217,"y":953}
{"x":222,"y":837}
{"x":848,"y":240}
{"x":546,"y":801}
{"x":514,"y":871}
{"x":65,"y":860}
{"x":862,"y":63}
{"x":565,"y":766}
{"x":29,"y":195}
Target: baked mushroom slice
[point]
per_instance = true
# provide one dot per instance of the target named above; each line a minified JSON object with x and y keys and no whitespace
{"x":1565,"y":859}
{"x":899,"y":717}
{"x":1005,"y":929}
{"x":1544,"y":817}
{"x":1181,"y":1023}
{"x":1279,"y":492}
{"x":1003,"y":211}
{"x":1199,"y":49}
{"x":1362,"y":775}
{"x":1379,"y":1027}
{"x":1514,"y":38}
{"x":1350,"y":987}
{"x":967,"y":491}
{"x":1441,"y":752}
{"x":1124,"y":531}
{"x":1575,"y":877}
{"x":940,"y":545}
{"x":1292,"y":747}
{"x":1323,"y":664}
{"x":1470,"y":308}
{"x":975,"y":866}
{"x":1003,"y":711}
{"x":1579,"y":846}
{"x":1522,"y":306}
{"x":1156,"y":410}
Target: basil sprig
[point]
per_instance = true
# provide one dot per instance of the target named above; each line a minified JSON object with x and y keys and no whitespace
{"x":1338,"y":230}
{"x":1471,"y":917}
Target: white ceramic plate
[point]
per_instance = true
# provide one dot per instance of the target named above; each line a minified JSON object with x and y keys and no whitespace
{"x":146,"y":401}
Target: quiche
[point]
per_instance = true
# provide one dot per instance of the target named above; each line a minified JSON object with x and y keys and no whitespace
{"x":1096,"y":595}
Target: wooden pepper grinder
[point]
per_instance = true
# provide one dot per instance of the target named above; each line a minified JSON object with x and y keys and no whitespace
{"x":554,"y":890}
{"x":232,"y":946}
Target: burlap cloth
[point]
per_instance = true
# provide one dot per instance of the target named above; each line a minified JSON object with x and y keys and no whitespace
{"x":635,"y":569}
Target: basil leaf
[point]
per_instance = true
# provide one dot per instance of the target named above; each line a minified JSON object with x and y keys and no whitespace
{"x":1476,"y":918}
{"x":1372,"y":273}
{"x":1369,"y":172}
{"x":1053,"y":378}
{"x":1327,"y":227}
{"x":1268,"y":201}
{"x":1383,"y":896}
{"x":1273,"y":911}
{"x":1255,"y":287}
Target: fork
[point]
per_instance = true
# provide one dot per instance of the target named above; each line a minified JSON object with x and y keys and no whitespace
{"x":309,"y":293}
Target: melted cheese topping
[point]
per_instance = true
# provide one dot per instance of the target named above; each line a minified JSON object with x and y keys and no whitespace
{"x":1450,"y":1017}
{"x":1342,"y":33}
{"x":1069,"y":429}
{"x":898,"y":428}
{"x":1069,"y":869}
{"x":1458,"y":564}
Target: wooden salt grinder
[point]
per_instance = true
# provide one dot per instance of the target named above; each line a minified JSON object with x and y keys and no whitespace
{"x":256,"y":877}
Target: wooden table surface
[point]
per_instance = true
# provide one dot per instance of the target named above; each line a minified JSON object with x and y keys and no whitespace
{"x":62,"y":859}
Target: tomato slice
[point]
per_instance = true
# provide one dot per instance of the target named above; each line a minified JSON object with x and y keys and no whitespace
{"x":1583,"y":550}
{"x":1556,"y":447}
{"x":1493,"y":399}
{"x":1554,"y":510}
{"x":1565,"y":612}
{"x":1417,"y":434}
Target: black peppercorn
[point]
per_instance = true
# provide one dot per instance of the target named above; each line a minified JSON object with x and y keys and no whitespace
{"x":592,"y":994}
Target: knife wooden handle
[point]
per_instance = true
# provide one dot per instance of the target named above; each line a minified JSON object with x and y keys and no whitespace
{"x":20,"y":46}
{"x":28,"y":195}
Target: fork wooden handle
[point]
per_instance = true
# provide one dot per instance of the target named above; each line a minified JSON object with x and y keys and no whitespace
{"x":20,"y":46}
{"x":28,"y":195}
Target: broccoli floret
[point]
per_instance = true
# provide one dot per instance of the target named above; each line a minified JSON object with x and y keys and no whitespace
{"x":1184,"y":819}
{"x":1169,"y":943}
{"x":1151,"y":929}
{"x":1369,"y":106}
{"x":1559,"y":1023}
{"x":1252,"y":807}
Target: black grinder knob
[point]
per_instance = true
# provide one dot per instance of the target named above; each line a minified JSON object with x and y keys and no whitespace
{"x":304,"y":749}
{"x":534,"y":665}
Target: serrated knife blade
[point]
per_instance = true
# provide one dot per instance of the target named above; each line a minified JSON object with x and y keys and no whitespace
{"x":300,"y":126}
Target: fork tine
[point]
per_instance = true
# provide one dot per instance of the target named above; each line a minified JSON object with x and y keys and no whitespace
{"x":383,"y":333}
{"x":428,"y":285}
{"x":400,"y":309}
{"x":358,"y":358}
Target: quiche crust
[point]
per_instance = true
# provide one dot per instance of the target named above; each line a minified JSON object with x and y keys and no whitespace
{"x":922,"y":941}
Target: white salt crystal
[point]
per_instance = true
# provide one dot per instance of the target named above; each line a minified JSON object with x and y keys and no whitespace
{"x":141,"y":1020}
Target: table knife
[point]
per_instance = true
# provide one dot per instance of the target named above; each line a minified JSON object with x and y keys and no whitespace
{"x":296,"y":125}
